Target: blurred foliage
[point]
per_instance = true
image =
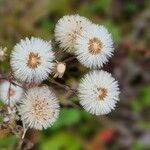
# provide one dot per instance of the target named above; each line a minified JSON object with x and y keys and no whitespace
{"x":143,"y":99}
{"x":114,"y":29}
{"x":67,"y":117}
{"x":131,"y":7}
{"x":62,"y":140}
{"x":128,"y":21}
{"x":8,"y":142}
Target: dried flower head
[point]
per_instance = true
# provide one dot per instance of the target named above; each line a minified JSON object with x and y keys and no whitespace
{"x":68,"y":29}
{"x":94,"y":47}
{"x":10,"y":93}
{"x":59,"y":69}
{"x":31,"y":60}
{"x":3,"y":53}
{"x":98,"y":92}
{"x":39,"y":108}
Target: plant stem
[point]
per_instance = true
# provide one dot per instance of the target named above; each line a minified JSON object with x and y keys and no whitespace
{"x":66,"y":87}
{"x":69,"y":59}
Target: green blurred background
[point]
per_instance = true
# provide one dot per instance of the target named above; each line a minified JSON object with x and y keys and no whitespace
{"x":126,"y":128}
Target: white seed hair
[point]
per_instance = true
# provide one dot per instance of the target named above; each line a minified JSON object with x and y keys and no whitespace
{"x":97,"y":60}
{"x":10,"y":92}
{"x":36,"y":71}
{"x":68,"y":29}
{"x":39,"y":108}
{"x":88,"y":92}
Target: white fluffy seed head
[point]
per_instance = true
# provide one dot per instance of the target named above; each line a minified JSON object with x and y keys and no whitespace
{"x":98,"y":92}
{"x":94,"y":47}
{"x":31,"y":60}
{"x":39,"y":108}
{"x":3,"y":53}
{"x":68,"y":29}
{"x":10,"y":92}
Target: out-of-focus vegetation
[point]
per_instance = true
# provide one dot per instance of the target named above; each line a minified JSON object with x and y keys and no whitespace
{"x":128,"y":20}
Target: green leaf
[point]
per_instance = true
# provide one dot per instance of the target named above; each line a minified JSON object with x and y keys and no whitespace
{"x":67,"y":117}
{"x":101,"y":5}
{"x":144,"y":124}
{"x":143,"y":99}
{"x":8,"y":142}
{"x":137,"y":146}
{"x":63,"y":140}
{"x":130,"y":7}
{"x":144,"y":95}
{"x":47,"y":25}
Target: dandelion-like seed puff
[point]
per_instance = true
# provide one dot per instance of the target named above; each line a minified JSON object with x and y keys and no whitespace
{"x":39,"y":108}
{"x":94,"y":47}
{"x":31,"y":60}
{"x":98,"y":92}
{"x":68,"y":29}
{"x":10,"y":93}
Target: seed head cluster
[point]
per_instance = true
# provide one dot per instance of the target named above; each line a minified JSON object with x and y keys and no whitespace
{"x":33,"y":62}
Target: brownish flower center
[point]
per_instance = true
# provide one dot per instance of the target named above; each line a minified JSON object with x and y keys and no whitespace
{"x":95,"y":46}
{"x":34,"y":60}
{"x":102,"y":93}
{"x":41,"y":110}
{"x":11,"y":92}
